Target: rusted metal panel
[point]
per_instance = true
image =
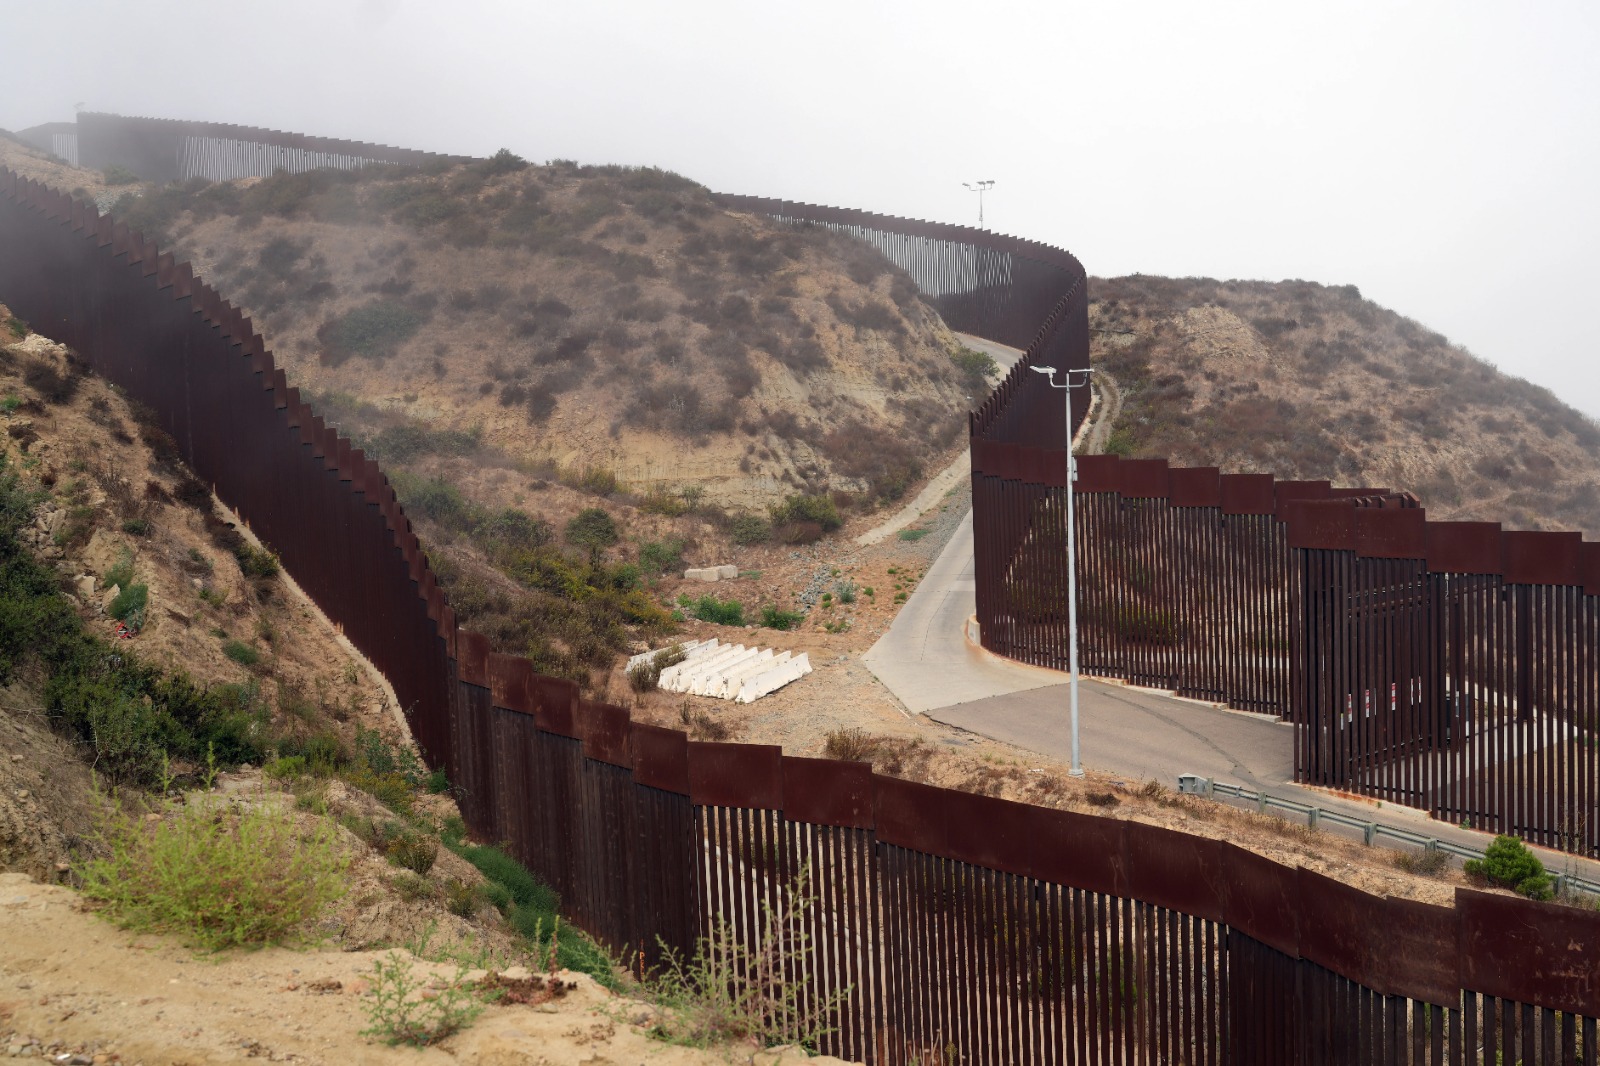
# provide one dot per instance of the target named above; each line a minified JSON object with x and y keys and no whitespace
{"x":1542,"y":953}
{"x":1589,"y":568}
{"x":1248,"y":494}
{"x":1195,"y":486}
{"x":1143,"y":479}
{"x":511,"y":680}
{"x":1391,"y":534}
{"x":1464,"y":547}
{"x":606,"y":732}
{"x":1176,"y":870}
{"x":736,"y":775}
{"x":1537,"y":558}
{"x":1098,"y":473}
{"x":1342,"y":922}
{"x":828,"y":792}
{"x":1328,"y":525}
{"x":1262,"y":899}
{"x":661,"y":758}
{"x":472,"y":650}
{"x":1413,"y":952}
{"x":554,"y":699}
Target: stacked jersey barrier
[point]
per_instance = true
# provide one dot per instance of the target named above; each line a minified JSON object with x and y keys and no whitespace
{"x":161,"y":150}
{"x":965,"y":928}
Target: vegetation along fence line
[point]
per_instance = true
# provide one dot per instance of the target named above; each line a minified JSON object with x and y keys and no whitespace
{"x":965,"y":927}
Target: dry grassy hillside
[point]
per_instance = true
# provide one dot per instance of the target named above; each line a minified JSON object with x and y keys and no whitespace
{"x":1310,"y":381}
{"x":587,"y":317}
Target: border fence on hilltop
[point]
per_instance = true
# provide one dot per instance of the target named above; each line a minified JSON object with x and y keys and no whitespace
{"x":965,"y":928}
{"x":162,"y":150}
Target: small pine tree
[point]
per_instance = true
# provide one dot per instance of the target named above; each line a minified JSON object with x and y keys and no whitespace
{"x":1508,"y":862}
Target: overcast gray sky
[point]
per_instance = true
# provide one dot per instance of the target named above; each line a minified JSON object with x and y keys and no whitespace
{"x":1441,"y":156}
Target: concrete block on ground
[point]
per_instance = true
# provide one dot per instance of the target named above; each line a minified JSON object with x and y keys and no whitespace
{"x":766,"y":683}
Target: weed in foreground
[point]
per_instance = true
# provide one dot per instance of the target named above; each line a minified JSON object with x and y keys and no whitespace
{"x":759,"y":992}
{"x":219,"y":877}
{"x":399,"y":1011}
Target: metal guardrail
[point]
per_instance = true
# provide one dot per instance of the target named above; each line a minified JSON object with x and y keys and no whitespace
{"x":1371,"y":832}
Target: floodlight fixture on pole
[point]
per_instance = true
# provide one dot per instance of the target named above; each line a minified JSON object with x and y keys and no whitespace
{"x":979,"y":187}
{"x":1072,"y":556}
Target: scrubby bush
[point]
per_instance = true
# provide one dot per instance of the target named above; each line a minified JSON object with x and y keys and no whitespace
{"x":52,"y":385}
{"x":241,"y":653}
{"x":773,"y":617}
{"x":661,"y":556}
{"x":130,"y":605}
{"x":977,"y":367}
{"x":505,"y":161}
{"x":217,"y":877}
{"x":749,"y":529}
{"x":710,"y":609}
{"x":374,"y":330}
{"x":819,"y":509}
{"x":592,"y":528}
{"x":1510,"y":863}
{"x":647,"y":675}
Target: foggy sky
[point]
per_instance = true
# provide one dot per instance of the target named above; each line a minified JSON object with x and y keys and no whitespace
{"x":1441,"y":156}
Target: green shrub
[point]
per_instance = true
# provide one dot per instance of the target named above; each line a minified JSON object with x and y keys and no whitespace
{"x":819,"y":509}
{"x":913,"y":534}
{"x":121,"y":574}
{"x":1509,"y":863}
{"x":461,"y":899}
{"x":256,"y":562}
{"x":710,"y":609}
{"x":137,"y":527}
{"x":130,"y":605}
{"x":749,"y":529}
{"x":239,"y":651}
{"x":647,"y":675}
{"x":774,"y":618}
{"x":663,"y":556}
{"x":116,"y":175}
{"x":413,"y":851}
{"x":218,"y":878}
{"x":399,"y":1011}
{"x":846,"y":591}
{"x":412,"y":887}
{"x":438,"y":783}
{"x":505,"y":161}
{"x":286,"y":768}
{"x":374,"y":330}
{"x":592,"y":528}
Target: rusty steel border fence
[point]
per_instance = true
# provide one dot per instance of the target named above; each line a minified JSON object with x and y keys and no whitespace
{"x":959,"y":927}
{"x":162,"y":150}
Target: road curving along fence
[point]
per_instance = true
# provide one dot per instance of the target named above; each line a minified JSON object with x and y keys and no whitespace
{"x":956,"y":927}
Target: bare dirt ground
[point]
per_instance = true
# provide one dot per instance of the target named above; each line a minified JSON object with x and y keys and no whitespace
{"x":74,"y":989}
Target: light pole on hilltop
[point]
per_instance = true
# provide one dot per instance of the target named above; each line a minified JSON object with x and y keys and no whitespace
{"x":979,"y":187}
{"x":1072,"y":556}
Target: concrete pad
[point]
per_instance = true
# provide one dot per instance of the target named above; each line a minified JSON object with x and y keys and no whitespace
{"x":925,"y":658}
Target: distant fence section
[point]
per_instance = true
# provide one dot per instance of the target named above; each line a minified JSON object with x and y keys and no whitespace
{"x":961,"y":928}
{"x":159,"y":149}
{"x":58,"y":138}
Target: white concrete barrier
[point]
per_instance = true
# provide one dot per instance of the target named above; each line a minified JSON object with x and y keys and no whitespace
{"x":728,"y":671}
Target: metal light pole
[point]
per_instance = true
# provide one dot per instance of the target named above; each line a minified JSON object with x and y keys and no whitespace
{"x":1072,"y":556}
{"x":979,"y":187}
